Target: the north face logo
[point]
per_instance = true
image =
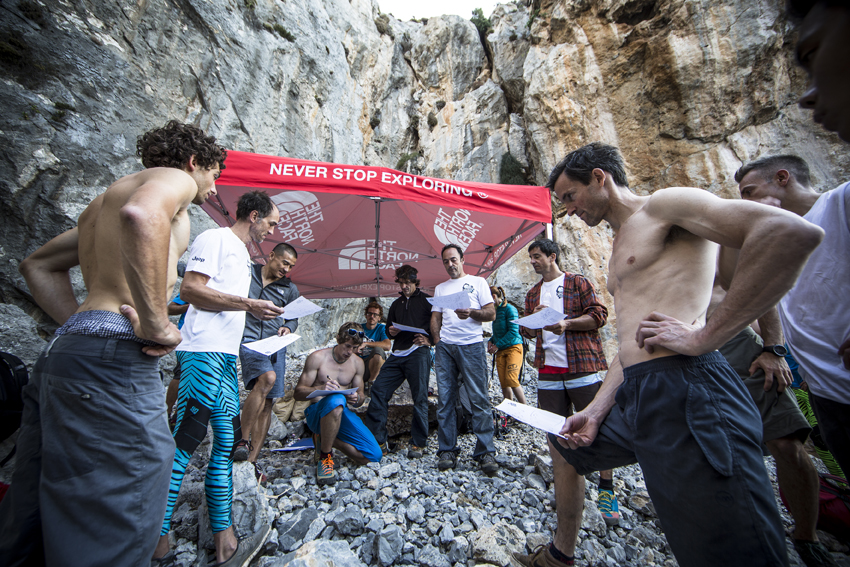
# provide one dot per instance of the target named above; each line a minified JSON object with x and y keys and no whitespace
{"x":456,"y":228}
{"x":299,"y":210}
{"x":468,"y":288}
{"x":361,"y":254}
{"x":560,"y":292}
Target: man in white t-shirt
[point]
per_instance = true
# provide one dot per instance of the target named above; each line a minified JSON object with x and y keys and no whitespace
{"x":461,"y":355}
{"x":216,"y":284}
{"x":814,"y":313}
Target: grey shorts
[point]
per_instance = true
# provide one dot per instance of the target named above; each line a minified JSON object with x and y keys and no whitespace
{"x":95,"y":411}
{"x":366,"y":355}
{"x":255,"y":364}
{"x":696,"y":433}
{"x":779,"y":412}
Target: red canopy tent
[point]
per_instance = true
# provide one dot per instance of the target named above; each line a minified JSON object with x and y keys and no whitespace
{"x":354,"y":225}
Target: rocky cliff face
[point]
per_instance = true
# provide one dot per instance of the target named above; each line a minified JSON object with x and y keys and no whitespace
{"x":687,"y":89}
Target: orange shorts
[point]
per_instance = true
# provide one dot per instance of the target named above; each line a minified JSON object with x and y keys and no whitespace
{"x":508,"y":363}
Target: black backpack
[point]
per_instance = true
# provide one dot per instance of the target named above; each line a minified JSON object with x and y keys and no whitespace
{"x":13,"y":377}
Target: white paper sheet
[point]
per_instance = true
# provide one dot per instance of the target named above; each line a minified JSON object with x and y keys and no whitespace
{"x":459,"y":300}
{"x":402,"y":353}
{"x":542,"y":318}
{"x":273,"y":344}
{"x":401,"y":327}
{"x":535,"y":417}
{"x":319,"y":393}
{"x":301,"y":307}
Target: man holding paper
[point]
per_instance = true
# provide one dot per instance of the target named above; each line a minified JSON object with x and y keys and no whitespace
{"x":460,"y":305}
{"x":216,"y":284}
{"x":410,"y":360}
{"x":330,"y":420}
{"x":568,"y":357}
{"x":265,"y":375}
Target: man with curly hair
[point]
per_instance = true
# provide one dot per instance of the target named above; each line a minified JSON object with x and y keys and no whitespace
{"x":95,"y":401}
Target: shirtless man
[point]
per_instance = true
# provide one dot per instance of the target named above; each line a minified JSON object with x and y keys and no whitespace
{"x":95,"y":398}
{"x":332,"y":423}
{"x":681,"y":411}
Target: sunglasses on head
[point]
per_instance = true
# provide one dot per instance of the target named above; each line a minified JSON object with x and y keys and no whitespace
{"x":356,"y":333}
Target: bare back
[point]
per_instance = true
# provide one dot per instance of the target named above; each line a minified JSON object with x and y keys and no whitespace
{"x":100,"y":234}
{"x":657,"y":266}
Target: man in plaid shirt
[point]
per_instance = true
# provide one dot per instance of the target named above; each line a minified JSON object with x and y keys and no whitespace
{"x":569,"y":359}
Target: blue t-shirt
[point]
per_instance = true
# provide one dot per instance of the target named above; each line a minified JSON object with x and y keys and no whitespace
{"x":378,"y":334}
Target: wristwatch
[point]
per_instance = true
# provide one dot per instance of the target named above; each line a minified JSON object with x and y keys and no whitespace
{"x":778,"y":350}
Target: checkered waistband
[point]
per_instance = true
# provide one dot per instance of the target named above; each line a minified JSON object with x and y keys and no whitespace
{"x":103,"y":324}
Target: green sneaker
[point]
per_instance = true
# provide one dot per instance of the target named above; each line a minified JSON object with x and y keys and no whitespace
{"x":607,"y":503}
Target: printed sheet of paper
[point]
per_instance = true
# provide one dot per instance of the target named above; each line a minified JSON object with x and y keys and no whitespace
{"x":542,"y":318}
{"x":320,"y":393}
{"x":401,"y":327}
{"x":541,"y":419}
{"x":405,"y":352}
{"x":273,"y":344}
{"x":459,"y":300}
{"x":300,"y":445}
{"x":301,"y":307}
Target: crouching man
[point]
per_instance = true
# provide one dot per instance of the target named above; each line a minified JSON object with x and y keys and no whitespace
{"x":330,"y":420}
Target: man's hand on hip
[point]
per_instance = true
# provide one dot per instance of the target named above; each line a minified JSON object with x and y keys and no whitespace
{"x":659,"y":330}
{"x":773,"y":367}
{"x":167,"y":338}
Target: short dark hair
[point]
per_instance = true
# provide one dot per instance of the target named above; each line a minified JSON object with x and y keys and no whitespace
{"x":579,"y":164}
{"x":798,"y":9}
{"x":375,"y":305}
{"x":254,"y":201}
{"x":768,"y":166}
{"x":547,"y":247}
{"x":344,"y":336}
{"x":407,"y":272}
{"x":452,"y":245}
{"x":284,"y":248}
{"x":174,"y":144}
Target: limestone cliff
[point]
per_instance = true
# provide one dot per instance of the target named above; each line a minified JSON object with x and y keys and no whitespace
{"x":688,"y":89}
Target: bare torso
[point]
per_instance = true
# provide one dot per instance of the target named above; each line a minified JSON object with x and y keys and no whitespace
{"x":328,"y":369}
{"x":100,"y":237}
{"x":656,"y":266}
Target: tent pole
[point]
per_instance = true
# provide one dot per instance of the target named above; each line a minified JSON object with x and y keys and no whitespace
{"x":377,"y":246}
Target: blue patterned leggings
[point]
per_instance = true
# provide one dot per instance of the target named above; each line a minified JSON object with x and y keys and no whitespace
{"x":208,"y":394}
